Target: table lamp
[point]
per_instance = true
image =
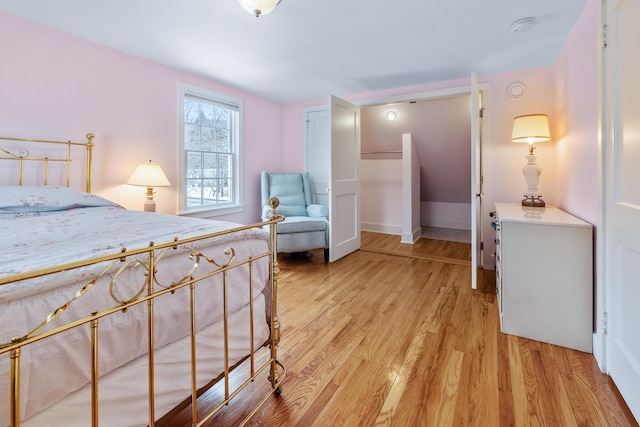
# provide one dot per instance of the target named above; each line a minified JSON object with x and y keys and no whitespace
{"x":531,"y":129}
{"x":149,"y":175}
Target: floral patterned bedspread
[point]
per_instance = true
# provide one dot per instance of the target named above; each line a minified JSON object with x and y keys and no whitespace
{"x":47,"y":226}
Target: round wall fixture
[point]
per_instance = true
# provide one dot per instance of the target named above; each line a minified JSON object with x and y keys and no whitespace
{"x":516,"y":89}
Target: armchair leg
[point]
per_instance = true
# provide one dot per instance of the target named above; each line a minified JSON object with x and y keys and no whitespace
{"x":326,"y":255}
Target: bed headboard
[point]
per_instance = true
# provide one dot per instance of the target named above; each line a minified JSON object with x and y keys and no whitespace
{"x":43,"y":153}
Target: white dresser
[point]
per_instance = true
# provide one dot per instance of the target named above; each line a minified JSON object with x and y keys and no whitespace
{"x":544,"y":275}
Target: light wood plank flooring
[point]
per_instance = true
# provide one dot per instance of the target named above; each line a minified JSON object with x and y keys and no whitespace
{"x":392,"y":335}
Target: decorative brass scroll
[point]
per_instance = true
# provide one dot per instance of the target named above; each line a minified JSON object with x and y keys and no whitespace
{"x":23,"y":153}
{"x":125,"y":264}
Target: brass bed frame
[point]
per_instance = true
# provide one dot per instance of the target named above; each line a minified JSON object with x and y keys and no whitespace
{"x":22,"y":155}
{"x":148,"y":291}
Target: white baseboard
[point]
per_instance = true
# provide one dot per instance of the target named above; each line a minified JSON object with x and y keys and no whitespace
{"x":381,"y":228}
{"x":443,"y":223}
{"x":413,"y":237}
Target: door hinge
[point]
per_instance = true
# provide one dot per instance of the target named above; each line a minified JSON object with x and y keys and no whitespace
{"x":603,"y":36}
{"x":481,"y":112}
{"x":603,"y":321}
{"x":481,"y":246}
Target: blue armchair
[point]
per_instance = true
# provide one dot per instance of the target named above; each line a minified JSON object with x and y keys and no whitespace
{"x":306,"y":225}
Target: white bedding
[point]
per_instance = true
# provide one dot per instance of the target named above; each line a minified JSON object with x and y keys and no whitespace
{"x":39,"y":235}
{"x":124,"y":394}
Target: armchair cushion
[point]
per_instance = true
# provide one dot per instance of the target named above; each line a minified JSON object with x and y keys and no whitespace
{"x":317,"y":211}
{"x":301,"y":224}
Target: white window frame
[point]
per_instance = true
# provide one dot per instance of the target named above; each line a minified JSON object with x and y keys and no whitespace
{"x":185,"y":89}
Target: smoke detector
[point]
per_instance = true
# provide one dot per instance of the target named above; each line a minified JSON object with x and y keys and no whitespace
{"x":522,"y":25}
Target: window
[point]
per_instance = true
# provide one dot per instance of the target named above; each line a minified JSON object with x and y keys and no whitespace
{"x":209,"y":152}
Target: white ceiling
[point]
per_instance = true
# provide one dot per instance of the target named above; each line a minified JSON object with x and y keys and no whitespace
{"x":308,"y":49}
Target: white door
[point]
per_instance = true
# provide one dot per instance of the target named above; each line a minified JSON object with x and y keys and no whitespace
{"x":344,"y":190}
{"x":318,"y":152}
{"x":622,"y":198}
{"x":476,"y":187}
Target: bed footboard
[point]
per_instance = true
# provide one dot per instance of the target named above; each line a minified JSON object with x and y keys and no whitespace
{"x":145,"y":299}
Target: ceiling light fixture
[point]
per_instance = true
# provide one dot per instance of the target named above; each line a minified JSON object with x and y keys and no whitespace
{"x":258,"y":7}
{"x":391,"y":115}
{"x":522,"y":25}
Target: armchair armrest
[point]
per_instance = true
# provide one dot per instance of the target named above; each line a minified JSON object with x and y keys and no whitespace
{"x":265,"y":212}
{"x":317,"y":211}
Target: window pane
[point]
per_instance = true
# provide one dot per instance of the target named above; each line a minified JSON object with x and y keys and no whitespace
{"x":222,"y":118}
{"x":222,"y":140}
{"x":194,"y":165}
{"x":191,"y":137}
{"x":207,"y":139}
{"x":226,"y":166}
{"x":208,"y":192}
{"x":209,"y":165}
{"x":191,"y":111}
{"x":225,"y":185}
{"x":194,"y":193}
{"x":207,"y":117}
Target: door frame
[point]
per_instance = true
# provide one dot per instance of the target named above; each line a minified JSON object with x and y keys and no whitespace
{"x":606,"y":311}
{"x":601,"y":290}
{"x":305,"y":149}
{"x":489,"y":245}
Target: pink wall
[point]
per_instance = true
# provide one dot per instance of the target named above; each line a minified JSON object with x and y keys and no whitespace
{"x":577,"y":150}
{"x":576,"y":105}
{"x":58,"y":86}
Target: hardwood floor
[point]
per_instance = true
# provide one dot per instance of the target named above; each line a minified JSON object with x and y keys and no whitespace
{"x":393,"y":335}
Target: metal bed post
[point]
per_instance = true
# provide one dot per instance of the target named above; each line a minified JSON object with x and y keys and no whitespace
{"x":275,"y":270}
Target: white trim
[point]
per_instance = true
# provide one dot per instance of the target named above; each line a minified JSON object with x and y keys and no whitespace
{"x":381,"y":228}
{"x":233,"y":102}
{"x":600,"y":304}
{"x":208,"y":213}
{"x":411,"y":238}
{"x":420,"y":96}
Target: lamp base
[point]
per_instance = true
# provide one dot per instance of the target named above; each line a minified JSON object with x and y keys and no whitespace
{"x":533,"y":201}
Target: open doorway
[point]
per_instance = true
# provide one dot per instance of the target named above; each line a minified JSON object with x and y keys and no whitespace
{"x":315,"y":122}
{"x":440,"y":129}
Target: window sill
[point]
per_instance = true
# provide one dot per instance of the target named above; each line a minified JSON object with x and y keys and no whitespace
{"x":212,"y":212}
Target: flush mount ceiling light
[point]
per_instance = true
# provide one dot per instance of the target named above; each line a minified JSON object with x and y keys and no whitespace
{"x":391,"y":115}
{"x":258,"y":7}
{"x":522,"y":25}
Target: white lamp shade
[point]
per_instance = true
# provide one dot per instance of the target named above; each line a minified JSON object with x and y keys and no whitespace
{"x":258,"y":7}
{"x":531,"y":129}
{"x":149,"y":174}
